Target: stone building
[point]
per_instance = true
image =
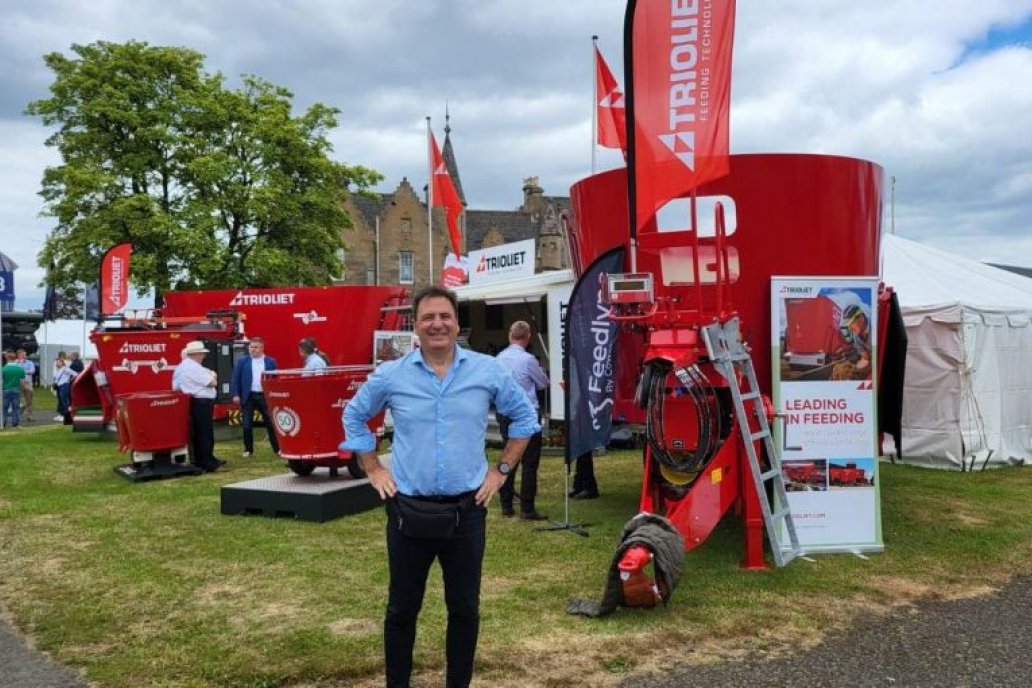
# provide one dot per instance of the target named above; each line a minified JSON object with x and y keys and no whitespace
{"x":390,"y":242}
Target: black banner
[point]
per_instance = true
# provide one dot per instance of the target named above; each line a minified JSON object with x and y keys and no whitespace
{"x":589,"y":345}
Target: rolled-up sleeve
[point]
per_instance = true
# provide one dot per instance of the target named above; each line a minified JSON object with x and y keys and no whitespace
{"x":512,"y":402}
{"x":366,"y":403}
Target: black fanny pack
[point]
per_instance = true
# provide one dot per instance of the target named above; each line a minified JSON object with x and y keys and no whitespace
{"x":425,"y":518}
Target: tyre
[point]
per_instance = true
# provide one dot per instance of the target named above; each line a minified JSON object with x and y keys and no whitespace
{"x":301,"y":467}
{"x":355,"y":468}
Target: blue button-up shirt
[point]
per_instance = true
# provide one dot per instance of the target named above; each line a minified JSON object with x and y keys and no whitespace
{"x":439,"y":425}
{"x":525,"y":369}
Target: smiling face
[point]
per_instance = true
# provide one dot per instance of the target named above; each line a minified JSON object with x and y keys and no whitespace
{"x":437,"y":325}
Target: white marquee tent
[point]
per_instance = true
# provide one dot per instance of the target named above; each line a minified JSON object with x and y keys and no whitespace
{"x":968,"y":394}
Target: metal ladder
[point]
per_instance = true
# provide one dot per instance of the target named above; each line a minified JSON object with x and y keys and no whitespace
{"x":730,"y":355}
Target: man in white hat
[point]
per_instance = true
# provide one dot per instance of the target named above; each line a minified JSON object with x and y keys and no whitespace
{"x":199,"y":382}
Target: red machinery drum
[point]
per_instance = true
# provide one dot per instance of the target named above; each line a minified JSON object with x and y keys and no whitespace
{"x":306,"y":408}
{"x":152,"y":422}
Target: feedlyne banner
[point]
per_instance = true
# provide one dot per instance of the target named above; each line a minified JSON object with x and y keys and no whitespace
{"x":823,"y":339}
{"x":590,"y":356}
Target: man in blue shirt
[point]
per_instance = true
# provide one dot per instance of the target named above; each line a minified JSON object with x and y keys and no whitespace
{"x":439,"y":396}
{"x":528,"y":374}
{"x":246,"y":388}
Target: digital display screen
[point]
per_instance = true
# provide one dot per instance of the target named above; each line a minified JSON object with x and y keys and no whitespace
{"x":630,"y":285}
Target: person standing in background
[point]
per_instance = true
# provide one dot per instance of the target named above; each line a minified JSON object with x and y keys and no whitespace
{"x":63,"y":377}
{"x":528,"y":374}
{"x":13,"y":375}
{"x":246,"y":388}
{"x":27,"y":391}
{"x":75,"y":363}
{"x":199,"y":382}
{"x":311,"y":357}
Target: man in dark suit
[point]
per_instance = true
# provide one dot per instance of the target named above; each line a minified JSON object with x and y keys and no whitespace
{"x":246,"y":388}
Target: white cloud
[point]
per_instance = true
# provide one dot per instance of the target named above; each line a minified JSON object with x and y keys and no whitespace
{"x":897,"y":83}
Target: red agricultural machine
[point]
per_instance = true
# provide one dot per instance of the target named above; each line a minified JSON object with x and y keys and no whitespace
{"x":138,"y":351}
{"x":694,"y":352}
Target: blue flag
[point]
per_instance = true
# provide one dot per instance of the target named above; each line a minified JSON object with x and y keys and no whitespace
{"x":589,"y":340}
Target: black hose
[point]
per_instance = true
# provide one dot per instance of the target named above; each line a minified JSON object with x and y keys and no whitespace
{"x":708,"y":409}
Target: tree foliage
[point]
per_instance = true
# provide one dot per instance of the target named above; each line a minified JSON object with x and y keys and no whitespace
{"x":215,"y":188}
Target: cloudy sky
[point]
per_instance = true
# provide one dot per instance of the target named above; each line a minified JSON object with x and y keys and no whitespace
{"x":938,"y":92}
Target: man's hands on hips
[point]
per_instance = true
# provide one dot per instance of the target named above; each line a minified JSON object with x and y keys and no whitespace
{"x":379,"y":477}
{"x":492,"y":483}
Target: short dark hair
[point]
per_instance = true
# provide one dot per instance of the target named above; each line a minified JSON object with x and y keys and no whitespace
{"x":307,"y":346}
{"x":435,"y":291}
{"x":256,"y":340}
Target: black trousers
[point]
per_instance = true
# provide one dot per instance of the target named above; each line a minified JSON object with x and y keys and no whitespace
{"x":202,"y":433}
{"x":256,"y":402}
{"x":584,"y":474}
{"x":409,"y":559}
{"x":528,"y":469}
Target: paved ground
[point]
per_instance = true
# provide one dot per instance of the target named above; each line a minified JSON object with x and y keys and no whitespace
{"x":21,"y":667}
{"x":984,"y":641}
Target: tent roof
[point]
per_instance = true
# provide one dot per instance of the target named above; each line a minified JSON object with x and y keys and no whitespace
{"x":924,"y":276}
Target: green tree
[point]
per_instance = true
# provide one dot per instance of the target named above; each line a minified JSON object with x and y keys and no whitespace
{"x":215,"y":188}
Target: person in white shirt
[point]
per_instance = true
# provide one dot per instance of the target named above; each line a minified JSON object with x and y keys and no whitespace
{"x":63,"y":377}
{"x":199,"y":382}
{"x":310,"y":354}
{"x":527,"y":372}
{"x":246,"y":388}
{"x":27,"y":392}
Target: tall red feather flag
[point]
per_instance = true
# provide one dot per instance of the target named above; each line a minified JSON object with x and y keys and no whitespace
{"x":114,"y":278}
{"x":678,"y":60}
{"x":612,"y":119}
{"x":445,"y":196}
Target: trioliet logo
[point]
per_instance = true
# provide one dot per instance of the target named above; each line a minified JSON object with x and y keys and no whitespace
{"x":142,"y":348}
{"x":242,"y":299}
{"x":683,"y":77}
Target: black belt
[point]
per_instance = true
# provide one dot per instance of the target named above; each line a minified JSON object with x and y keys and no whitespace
{"x":444,"y":499}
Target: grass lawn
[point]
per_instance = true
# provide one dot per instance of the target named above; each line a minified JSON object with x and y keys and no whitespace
{"x":149,"y":585}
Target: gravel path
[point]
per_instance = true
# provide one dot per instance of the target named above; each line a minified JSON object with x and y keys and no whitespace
{"x":984,"y":641}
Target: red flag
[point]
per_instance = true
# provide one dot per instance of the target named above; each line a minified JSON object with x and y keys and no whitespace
{"x":679,"y":95}
{"x":612,"y":120}
{"x":444,"y":194}
{"x":114,"y":279}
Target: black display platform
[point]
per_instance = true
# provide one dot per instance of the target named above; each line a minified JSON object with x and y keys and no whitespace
{"x":317,"y":497}
{"x":159,"y":468}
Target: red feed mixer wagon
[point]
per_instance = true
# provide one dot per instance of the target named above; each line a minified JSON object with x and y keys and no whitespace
{"x":137,"y":352}
{"x":683,"y":342}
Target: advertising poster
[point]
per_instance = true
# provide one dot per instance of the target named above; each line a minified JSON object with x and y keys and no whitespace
{"x":391,"y":344}
{"x":824,"y":347}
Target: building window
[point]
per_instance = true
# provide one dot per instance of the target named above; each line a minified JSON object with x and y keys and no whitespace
{"x":370,"y":276}
{"x":406,"y":273}
{"x":406,"y":224}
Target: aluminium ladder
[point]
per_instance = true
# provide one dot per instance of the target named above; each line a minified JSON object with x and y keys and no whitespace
{"x":730,"y":356}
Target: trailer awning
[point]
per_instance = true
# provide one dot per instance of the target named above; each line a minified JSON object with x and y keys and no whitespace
{"x":515,"y":291}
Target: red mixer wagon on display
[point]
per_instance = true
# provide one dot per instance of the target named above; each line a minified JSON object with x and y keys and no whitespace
{"x":138,"y":351}
{"x":694,"y":353}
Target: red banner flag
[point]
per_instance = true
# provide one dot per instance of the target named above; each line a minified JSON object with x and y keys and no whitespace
{"x":612,"y":120}
{"x":678,"y":59}
{"x":114,"y":279}
{"x":444,"y":195}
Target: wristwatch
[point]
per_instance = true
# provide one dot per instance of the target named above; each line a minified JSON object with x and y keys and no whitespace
{"x":504,"y":468}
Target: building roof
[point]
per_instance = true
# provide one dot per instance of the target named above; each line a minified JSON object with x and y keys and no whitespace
{"x":514,"y":226}
{"x":449,"y":160}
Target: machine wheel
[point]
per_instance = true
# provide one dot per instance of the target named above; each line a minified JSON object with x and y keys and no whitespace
{"x":301,"y":467}
{"x":355,"y":468}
